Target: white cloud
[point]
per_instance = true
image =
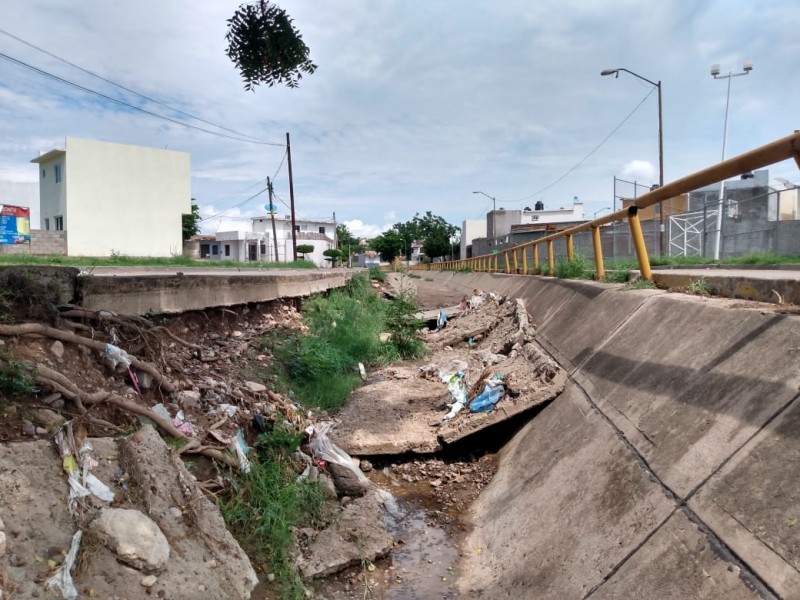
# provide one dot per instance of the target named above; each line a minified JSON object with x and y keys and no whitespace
{"x":642,"y":171}
{"x":502,"y":97}
{"x":365,"y":230}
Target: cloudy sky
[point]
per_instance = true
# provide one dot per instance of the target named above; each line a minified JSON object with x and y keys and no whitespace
{"x":415,"y":104}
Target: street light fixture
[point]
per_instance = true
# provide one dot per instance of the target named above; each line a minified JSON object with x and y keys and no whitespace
{"x":715,"y":73}
{"x":597,"y":212}
{"x":494,"y":210}
{"x":657,"y":85}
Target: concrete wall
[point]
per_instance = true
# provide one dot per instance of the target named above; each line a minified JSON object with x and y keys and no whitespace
{"x":43,"y":243}
{"x":52,"y":194}
{"x":665,"y":470}
{"x":126,"y":199}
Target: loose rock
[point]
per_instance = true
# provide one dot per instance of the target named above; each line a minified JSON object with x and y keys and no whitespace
{"x":347,"y":482}
{"x":47,"y":418}
{"x":149,"y":580}
{"x":134,"y":538}
{"x":255,"y":387}
{"x":2,"y":543}
{"x":57,"y":348}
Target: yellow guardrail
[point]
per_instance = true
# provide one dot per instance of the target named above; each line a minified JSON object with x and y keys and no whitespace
{"x":781,"y":149}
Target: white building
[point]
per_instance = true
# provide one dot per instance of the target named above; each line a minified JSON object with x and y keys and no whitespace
{"x":470,"y":230}
{"x":258,"y":244}
{"x":115,"y":198}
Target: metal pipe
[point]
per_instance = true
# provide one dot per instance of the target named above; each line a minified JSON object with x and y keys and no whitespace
{"x":536,"y":258}
{"x":570,"y":248}
{"x":551,"y":259}
{"x":524,"y":260}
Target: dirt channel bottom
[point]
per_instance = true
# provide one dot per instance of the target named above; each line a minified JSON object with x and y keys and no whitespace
{"x":428,"y":526}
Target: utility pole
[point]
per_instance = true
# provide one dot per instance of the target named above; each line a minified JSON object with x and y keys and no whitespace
{"x":291,"y":195}
{"x":272,"y":217}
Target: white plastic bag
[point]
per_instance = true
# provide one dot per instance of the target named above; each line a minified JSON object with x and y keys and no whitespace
{"x":324,"y":448}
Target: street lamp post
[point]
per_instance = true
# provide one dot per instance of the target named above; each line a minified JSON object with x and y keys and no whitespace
{"x":597,"y":212}
{"x":494,"y":210}
{"x":715,"y":73}
{"x":657,"y":85}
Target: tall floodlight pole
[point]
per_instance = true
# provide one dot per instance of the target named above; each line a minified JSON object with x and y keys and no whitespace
{"x":657,"y":85}
{"x":715,"y":73}
{"x":494,"y":211}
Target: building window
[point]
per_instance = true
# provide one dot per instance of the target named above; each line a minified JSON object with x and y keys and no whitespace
{"x":322,"y":230}
{"x":203,"y":250}
{"x":297,"y":227}
{"x":263,"y":249}
{"x":57,"y":170}
{"x":47,"y":224}
{"x":227,"y":249}
{"x":43,"y":173}
{"x":214,"y":250}
{"x":59,"y":223}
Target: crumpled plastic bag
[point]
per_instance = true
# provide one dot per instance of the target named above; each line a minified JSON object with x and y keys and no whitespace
{"x":493,"y":391}
{"x":455,"y":378}
{"x":322,"y":447}
{"x":118,"y":356}
{"x":62,"y":579}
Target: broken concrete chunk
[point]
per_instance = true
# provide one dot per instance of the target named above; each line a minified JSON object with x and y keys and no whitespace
{"x":347,"y":482}
{"x":255,"y":387}
{"x":327,"y":485}
{"x":134,"y":538}
{"x":359,"y":535}
{"x":2,"y":544}
{"x":188,"y":398}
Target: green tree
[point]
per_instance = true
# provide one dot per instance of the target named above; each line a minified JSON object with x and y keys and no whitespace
{"x":191,"y":222}
{"x":265,"y":46}
{"x":333,"y":255}
{"x":389,"y":245}
{"x":346,"y":238}
{"x":305,"y":249}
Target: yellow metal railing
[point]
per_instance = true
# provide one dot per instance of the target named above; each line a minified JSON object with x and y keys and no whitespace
{"x":782,"y":149}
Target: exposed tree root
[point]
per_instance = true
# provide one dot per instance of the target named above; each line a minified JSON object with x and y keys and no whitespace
{"x":66,"y":336}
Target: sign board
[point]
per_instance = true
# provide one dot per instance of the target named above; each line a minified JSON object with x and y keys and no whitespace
{"x":271,"y":209}
{"x":15,"y":224}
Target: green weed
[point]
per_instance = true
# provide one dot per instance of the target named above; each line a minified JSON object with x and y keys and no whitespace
{"x":699,"y":287}
{"x":616,"y":276}
{"x":15,"y":379}
{"x":640,"y":284}
{"x":577,"y":268}
{"x":264,"y":506}
{"x":376,"y":274}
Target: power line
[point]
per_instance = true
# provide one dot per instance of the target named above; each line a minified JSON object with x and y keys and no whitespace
{"x":279,"y":166}
{"x":585,"y":158}
{"x":280,"y":199}
{"x":127,"y":105}
{"x":127,"y":89}
{"x":227,"y":210}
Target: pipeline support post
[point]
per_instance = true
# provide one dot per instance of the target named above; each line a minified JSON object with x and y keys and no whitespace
{"x":570,"y":247}
{"x":535,"y":251}
{"x":516,"y":265}
{"x":524,"y":260}
{"x":638,"y":243}
{"x":551,"y":259}
{"x":598,"y":254}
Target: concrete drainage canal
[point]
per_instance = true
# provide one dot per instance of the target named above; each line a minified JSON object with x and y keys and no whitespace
{"x":189,"y":427}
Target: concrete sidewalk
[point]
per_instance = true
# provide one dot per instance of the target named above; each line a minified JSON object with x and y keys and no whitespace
{"x":777,"y":285}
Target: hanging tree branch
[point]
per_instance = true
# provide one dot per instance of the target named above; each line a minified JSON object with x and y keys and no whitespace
{"x":265,"y":46}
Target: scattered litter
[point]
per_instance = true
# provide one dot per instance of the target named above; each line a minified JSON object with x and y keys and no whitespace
{"x":493,"y":391}
{"x":77,"y":464}
{"x":455,"y":378}
{"x":362,"y":371}
{"x":62,"y":580}
{"x":118,"y":356}
{"x":323,"y":448}
{"x":229,"y":410}
{"x":441,"y":322}
{"x":241,"y":448}
{"x":180,"y":422}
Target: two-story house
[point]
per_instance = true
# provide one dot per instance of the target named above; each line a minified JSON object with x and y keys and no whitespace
{"x":115,"y":198}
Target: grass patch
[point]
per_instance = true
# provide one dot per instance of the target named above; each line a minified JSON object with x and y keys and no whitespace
{"x":376,"y":274}
{"x":616,"y":276}
{"x":698,"y":287}
{"x":577,"y":268}
{"x":640,"y":284}
{"x":320,"y":368}
{"x":763,"y":258}
{"x":15,"y":379}
{"x":120,"y":260}
{"x":263,"y":507}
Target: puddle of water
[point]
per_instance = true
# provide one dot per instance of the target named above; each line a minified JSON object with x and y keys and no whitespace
{"x":424,"y":557}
